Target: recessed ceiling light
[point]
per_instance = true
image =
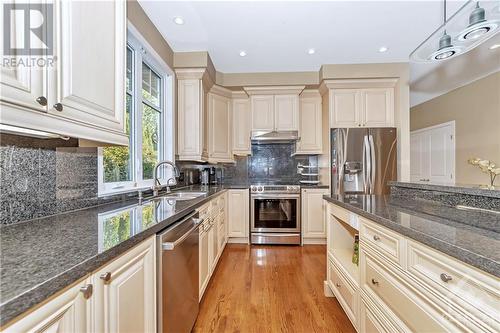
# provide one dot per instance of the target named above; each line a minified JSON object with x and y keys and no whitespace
{"x":243,"y":53}
{"x":494,"y":46}
{"x":383,"y":49}
{"x":311,"y":51}
{"x":178,"y":20}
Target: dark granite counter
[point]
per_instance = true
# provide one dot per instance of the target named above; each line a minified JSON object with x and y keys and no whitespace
{"x":41,"y":257}
{"x":475,"y":190}
{"x":446,"y":229}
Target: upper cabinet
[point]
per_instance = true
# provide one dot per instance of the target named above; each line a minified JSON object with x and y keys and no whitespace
{"x":193,"y":85}
{"x":361,"y":103}
{"x":310,"y":123}
{"x":71,"y":96}
{"x":220,"y":125}
{"x":274,"y":108}
{"x":241,"y":124}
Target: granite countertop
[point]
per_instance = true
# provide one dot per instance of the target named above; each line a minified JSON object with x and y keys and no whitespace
{"x":456,"y":188}
{"x":40,"y":257}
{"x":441,"y":227}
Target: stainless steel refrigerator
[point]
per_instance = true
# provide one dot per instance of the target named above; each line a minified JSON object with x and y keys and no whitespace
{"x":363,"y":160}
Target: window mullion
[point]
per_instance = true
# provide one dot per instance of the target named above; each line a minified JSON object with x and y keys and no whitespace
{"x":138,"y":124}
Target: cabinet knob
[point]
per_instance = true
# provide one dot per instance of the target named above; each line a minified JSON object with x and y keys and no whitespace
{"x":106,"y":277}
{"x":375,"y":282}
{"x":376,"y":238}
{"x":58,"y":107}
{"x":445,"y":277}
{"x":42,"y":100}
{"x":337,"y":285}
{"x":87,"y":291}
{"x":359,"y":125}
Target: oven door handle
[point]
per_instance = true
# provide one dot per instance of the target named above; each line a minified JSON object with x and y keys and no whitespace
{"x":275,"y":196}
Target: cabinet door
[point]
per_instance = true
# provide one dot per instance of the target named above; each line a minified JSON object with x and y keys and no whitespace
{"x":68,"y":312}
{"x":212,"y":247}
{"x":189,"y":119}
{"x":241,"y":127}
{"x":22,"y":85}
{"x":310,"y":126}
{"x":238,"y":213}
{"x":125,"y":291}
{"x":89,"y":76}
{"x":219,"y":129}
{"x":262,"y":109}
{"x":286,"y":112}
{"x":378,"y":107}
{"x":204,"y":267}
{"x":345,"y":108}
{"x":313,"y":224}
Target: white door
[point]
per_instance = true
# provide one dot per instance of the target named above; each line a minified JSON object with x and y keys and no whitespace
{"x":432,"y":154}
{"x":286,"y":112}
{"x":346,"y":108}
{"x":22,"y":86}
{"x":125,"y":291}
{"x":238,"y":213}
{"x":88,"y":83}
{"x":241,"y":127}
{"x":71,"y":311}
{"x":262,"y":109}
{"x":313,"y":224}
{"x":219,"y":119}
{"x":310,"y":127}
{"x":378,"y":107}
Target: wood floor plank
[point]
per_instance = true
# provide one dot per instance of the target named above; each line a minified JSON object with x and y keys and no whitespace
{"x":265,"y":289}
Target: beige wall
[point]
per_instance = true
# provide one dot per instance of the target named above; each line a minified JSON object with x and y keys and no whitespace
{"x":476,"y":111}
{"x":139,"y":19}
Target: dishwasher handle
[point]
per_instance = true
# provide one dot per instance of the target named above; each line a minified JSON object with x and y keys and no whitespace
{"x":169,"y":246}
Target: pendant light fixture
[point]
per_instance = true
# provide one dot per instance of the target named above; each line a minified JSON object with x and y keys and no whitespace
{"x":481,"y":22}
{"x":478,"y":25}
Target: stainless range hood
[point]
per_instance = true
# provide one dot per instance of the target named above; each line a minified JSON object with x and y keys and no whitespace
{"x":262,"y":137}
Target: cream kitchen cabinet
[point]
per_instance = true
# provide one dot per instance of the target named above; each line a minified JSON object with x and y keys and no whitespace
{"x":72,"y":97}
{"x":313,"y":223}
{"x":119,"y":297}
{"x":204,"y":267}
{"x":241,"y":124}
{"x":193,"y":85}
{"x":274,"y":108}
{"x":220,"y":131}
{"x":238,"y":202}
{"x":310,"y":123}
{"x":70,"y":311}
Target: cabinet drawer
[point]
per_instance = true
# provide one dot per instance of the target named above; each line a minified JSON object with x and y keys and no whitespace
{"x":371,"y":320}
{"x":344,"y":292}
{"x":475,"y":291}
{"x":203,"y":211}
{"x":388,"y":290}
{"x":388,"y":243}
{"x":339,"y":213}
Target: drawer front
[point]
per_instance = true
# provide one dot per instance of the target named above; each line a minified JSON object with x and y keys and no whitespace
{"x":473,"y":290}
{"x":369,"y":321}
{"x":339,"y":212}
{"x":386,"y":288}
{"x":343,"y":291}
{"x":385,"y":241}
{"x":203,"y":211}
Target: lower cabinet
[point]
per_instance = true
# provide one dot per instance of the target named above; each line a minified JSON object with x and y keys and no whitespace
{"x":204,"y":261}
{"x":238,"y":202}
{"x":120,"y":297}
{"x":313,"y":223}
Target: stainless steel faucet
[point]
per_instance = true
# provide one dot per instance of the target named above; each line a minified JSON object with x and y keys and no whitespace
{"x":157,"y":185}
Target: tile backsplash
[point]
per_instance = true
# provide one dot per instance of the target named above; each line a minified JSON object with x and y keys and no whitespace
{"x":40,"y":177}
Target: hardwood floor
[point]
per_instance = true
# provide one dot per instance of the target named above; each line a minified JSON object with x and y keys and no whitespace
{"x":270,"y":289}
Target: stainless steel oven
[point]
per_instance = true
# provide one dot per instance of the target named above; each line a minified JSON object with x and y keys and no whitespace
{"x":275,"y":214}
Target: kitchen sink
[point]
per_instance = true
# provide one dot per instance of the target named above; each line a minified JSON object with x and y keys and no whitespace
{"x":183,"y":195}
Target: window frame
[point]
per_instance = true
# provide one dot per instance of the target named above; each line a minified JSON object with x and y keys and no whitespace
{"x":143,"y":52}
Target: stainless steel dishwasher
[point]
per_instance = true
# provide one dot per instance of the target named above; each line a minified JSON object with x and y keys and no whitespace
{"x":178,"y":267}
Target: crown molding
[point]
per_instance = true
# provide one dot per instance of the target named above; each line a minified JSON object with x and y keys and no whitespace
{"x":221,"y":91}
{"x":240,"y":94}
{"x":310,"y":93}
{"x":358,"y":83}
{"x":274,"y":90}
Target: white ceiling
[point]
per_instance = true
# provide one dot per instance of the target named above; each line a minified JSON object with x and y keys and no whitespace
{"x":276,"y":35}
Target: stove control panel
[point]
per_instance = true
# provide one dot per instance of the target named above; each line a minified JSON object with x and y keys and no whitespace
{"x":275,"y":189}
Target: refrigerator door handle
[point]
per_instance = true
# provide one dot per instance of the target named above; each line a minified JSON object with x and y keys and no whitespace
{"x":365,"y":165}
{"x":373,"y":164}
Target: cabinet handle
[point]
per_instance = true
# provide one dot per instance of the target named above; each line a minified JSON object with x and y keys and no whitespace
{"x":42,"y":100}
{"x":87,"y":291}
{"x":106,"y":277}
{"x":58,"y":107}
{"x":445,"y":277}
{"x":376,"y":238}
{"x":337,"y":285}
{"x":375,"y":282}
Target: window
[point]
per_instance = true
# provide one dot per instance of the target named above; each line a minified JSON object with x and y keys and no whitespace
{"x":148,"y":122}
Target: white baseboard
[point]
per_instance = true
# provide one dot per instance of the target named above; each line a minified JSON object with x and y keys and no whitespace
{"x":328,"y":292}
{"x":314,"y":241}
{"x":237,"y":240}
